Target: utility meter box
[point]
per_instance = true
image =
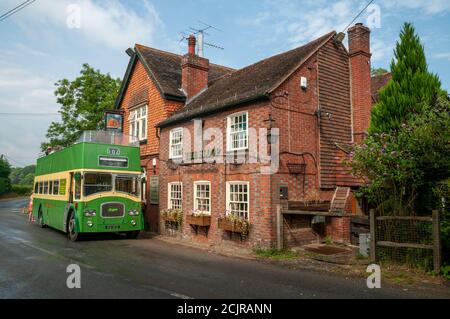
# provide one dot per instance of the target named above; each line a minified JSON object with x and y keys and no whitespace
{"x":364,"y":244}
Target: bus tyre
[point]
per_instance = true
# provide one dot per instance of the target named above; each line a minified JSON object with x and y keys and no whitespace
{"x":41,"y":219}
{"x":132,"y":234}
{"x":71,"y":228}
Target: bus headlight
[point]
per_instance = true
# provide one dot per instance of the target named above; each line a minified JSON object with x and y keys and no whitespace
{"x":90,"y":213}
{"x":90,"y":224}
{"x":133,"y":212}
{"x":133,"y":223}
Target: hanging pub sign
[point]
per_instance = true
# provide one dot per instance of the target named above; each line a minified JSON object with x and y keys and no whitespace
{"x":114,"y":120}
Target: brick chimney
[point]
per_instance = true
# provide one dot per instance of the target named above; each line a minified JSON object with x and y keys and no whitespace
{"x":359,"y":52}
{"x":194,"y":71}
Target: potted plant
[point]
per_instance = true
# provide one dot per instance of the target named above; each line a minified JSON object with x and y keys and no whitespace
{"x":199,"y":218}
{"x":173,"y":216}
{"x":233,"y":223}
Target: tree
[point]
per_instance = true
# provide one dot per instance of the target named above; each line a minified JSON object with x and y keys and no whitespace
{"x":404,"y":167}
{"x":411,"y":86}
{"x":22,"y":176}
{"x":83,"y":103}
{"x":5,"y":170}
{"x":378,"y":71}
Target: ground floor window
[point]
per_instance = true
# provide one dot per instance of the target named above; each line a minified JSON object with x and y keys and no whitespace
{"x":237,"y":199}
{"x":175,"y":196}
{"x":202,"y":197}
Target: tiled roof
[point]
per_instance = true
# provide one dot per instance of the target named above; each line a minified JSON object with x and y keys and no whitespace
{"x":247,"y":84}
{"x":165,"y":67}
{"x":378,"y":82}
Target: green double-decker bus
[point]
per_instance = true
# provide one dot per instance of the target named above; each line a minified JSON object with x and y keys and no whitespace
{"x":93,"y":186}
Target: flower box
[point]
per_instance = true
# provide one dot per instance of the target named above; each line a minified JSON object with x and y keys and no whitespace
{"x":171,"y":219}
{"x":231,"y":226}
{"x":203,"y":221}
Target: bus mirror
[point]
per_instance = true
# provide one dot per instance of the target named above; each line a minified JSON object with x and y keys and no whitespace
{"x":77,"y":176}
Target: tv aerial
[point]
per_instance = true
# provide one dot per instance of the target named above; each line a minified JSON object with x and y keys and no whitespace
{"x":200,"y":34}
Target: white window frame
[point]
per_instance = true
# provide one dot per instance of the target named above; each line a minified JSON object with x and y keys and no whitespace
{"x":230,"y":147}
{"x":228,"y":201}
{"x":171,"y":144}
{"x":202,"y":183}
{"x":169,"y":195}
{"x":141,"y":121}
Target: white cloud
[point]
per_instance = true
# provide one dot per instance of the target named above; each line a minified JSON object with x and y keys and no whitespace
{"x":445,"y":55}
{"x":108,"y":23}
{"x":381,"y":51}
{"x":24,"y":92}
{"x":430,"y":7}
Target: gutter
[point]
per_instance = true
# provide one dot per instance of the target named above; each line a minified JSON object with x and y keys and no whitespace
{"x":191,"y":114}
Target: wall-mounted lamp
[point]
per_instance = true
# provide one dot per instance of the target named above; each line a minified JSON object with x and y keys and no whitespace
{"x":154,"y":165}
{"x":271,"y":139}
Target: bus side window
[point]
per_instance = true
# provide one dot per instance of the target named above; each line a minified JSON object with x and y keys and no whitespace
{"x":41,"y":188}
{"x":36,"y":188}
{"x":56,"y":187}
{"x":50,"y":188}
{"x":77,"y":189}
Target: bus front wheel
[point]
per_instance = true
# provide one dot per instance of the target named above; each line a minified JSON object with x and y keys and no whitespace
{"x":132,"y":234}
{"x":41,"y":218}
{"x":71,"y":229}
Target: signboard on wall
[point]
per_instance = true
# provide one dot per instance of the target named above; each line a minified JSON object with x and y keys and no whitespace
{"x":114,"y":121}
{"x":154,"y":190}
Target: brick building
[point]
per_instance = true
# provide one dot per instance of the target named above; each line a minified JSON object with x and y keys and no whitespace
{"x":150,"y":92}
{"x":212,"y":133}
{"x":319,"y":98}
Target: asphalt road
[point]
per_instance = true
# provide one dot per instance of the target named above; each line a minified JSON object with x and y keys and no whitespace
{"x":33,"y":264}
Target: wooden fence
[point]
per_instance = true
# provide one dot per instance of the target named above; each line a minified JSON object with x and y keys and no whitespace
{"x":406,"y":232}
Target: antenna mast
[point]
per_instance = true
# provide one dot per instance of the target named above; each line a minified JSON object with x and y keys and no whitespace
{"x":201,"y":38}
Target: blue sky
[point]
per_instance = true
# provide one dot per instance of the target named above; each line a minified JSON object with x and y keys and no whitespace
{"x":37,"y":47}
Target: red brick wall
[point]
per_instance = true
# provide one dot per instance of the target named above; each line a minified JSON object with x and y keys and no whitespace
{"x":260,"y":209}
{"x":141,"y":89}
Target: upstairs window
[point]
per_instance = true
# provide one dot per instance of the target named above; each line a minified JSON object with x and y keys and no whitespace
{"x":176,"y":143}
{"x":138,"y":122}
{"x":237,"y":132}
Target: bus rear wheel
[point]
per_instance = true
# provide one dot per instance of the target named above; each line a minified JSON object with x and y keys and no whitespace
{"x":71,"y":228}
{"x":132,"y":234}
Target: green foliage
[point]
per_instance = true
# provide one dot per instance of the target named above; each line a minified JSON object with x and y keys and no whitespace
{"x":22,"y":190}
{"x":401,"y":163}
{"x":276,"y":254}
{"x":22,"y":176}
{"x":411,"y":87}
{"x":446,"y":272}
{"x":5,"y":170}
{"x":83,"y":103}
{"x":328,"y":241}
{"x":5,"y":167}
{"x":378,"y":71}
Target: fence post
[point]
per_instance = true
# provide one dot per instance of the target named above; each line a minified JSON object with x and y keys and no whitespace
{"x":373,"y":244}
{"x":279,"y":228}
{"x":436,"y":242}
